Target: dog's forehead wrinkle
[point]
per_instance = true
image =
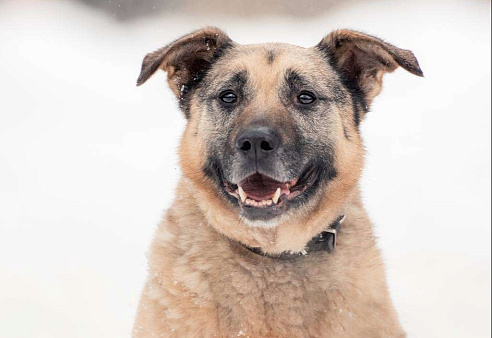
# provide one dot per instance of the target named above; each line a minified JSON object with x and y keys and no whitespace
{"x":270,"y":56}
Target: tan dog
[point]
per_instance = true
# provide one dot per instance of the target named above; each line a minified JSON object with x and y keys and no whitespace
{"x":271,"y":159}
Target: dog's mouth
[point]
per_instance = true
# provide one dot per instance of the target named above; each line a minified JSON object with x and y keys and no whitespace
{"x":259,"y":191}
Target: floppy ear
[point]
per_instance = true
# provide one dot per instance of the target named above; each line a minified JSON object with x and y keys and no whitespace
{"x":363,"y":60}
{"x":186,"y":60}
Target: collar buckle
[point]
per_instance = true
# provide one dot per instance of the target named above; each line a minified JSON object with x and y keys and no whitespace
{"x":332,"y":234}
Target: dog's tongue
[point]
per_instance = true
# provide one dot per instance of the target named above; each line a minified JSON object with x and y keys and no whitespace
{"x":261,"y":187}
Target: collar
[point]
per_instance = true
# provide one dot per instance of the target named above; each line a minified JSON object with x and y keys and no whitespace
{"x":324,"y":241}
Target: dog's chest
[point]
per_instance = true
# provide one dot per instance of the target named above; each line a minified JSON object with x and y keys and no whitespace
{"x":258,"y":297}
{"x":213,"y":288}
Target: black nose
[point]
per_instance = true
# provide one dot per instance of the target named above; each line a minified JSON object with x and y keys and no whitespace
{"x":257,"y":143}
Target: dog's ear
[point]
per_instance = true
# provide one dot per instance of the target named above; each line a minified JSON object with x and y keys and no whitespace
{"x":363,"y":60}
{"x":186,"y":59}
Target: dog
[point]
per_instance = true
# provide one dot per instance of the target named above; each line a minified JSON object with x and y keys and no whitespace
{"x":267,"y":235}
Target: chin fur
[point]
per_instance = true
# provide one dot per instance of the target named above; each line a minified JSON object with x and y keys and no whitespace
{"x":270,"y":224}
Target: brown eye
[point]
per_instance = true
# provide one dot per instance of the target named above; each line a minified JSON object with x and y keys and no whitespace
{"x":306,"y":98}
{"x":228,"y":97}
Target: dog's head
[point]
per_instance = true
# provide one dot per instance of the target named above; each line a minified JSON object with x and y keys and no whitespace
{"x":273,"y":129}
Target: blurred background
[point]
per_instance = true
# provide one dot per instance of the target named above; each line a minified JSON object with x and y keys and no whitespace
{"x":88,"y":160}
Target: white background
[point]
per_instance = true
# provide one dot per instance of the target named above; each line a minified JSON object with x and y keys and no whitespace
{"x":88,"y":161}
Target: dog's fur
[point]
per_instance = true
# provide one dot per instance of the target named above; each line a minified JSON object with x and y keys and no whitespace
{"x":202,"y":281}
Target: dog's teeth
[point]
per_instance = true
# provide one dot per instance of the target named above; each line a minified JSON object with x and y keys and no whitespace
{"x":242,"y":194}
{"x":269,"y":202}
{"x":276,"y":196}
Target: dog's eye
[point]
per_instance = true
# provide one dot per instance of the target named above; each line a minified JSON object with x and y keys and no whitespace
{"x":228,"y":97}
{"x":306,"y":98}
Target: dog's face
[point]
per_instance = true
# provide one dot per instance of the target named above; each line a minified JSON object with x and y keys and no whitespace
{"x":273,"y":128}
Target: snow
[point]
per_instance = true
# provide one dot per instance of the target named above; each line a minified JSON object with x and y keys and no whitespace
{"x":88,"y":160}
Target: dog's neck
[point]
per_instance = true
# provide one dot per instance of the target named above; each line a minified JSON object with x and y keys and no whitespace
{"x":290,"y":235}
{"x":325,"y":241}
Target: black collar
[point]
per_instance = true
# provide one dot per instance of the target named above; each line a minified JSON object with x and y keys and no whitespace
{"x":324,"y":241}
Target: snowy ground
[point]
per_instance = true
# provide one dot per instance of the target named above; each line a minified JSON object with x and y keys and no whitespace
{"x":88,"y":162}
